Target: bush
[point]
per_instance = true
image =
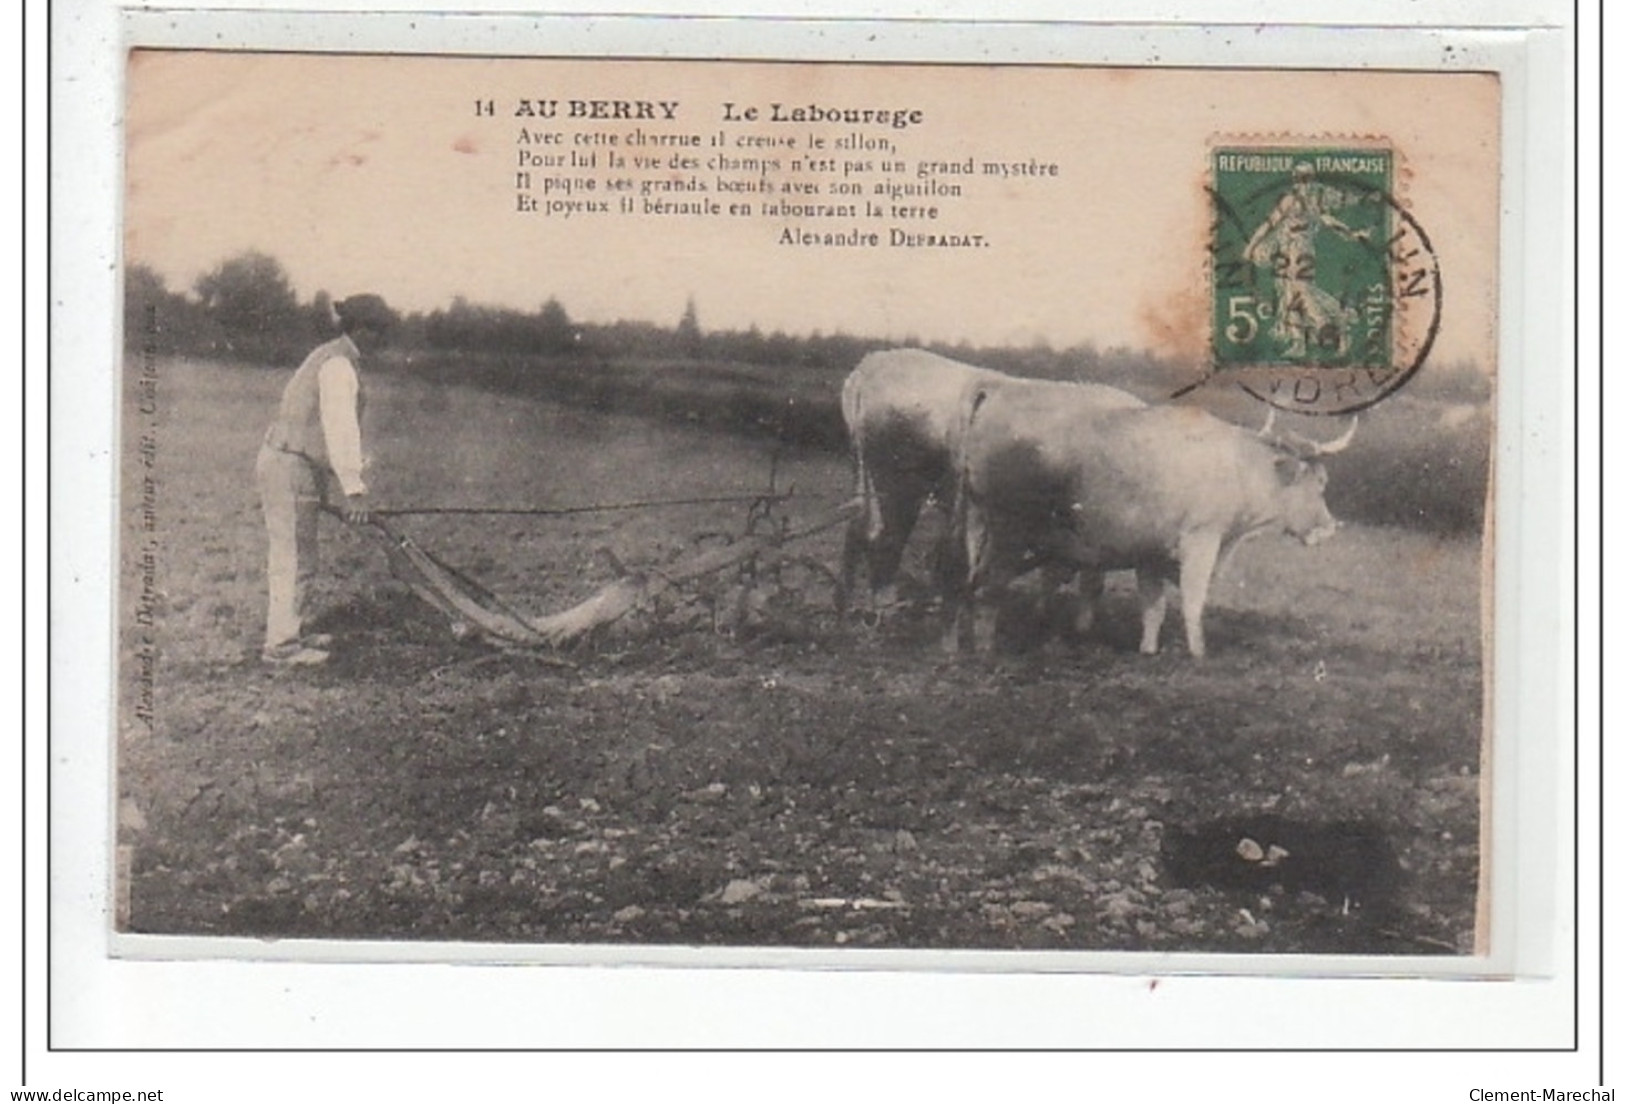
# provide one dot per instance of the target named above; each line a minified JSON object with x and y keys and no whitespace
{"x":1414,"y":465}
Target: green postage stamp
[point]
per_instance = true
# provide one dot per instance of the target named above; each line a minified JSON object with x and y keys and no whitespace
{"x":1325,"y":291}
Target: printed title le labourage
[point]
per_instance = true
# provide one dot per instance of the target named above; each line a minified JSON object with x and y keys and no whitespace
{"x":897,"y":118}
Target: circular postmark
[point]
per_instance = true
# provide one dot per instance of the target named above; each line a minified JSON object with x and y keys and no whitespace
{"x":1325,"y":290}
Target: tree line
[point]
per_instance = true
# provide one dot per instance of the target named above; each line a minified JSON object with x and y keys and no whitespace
{"x":245,"y":308}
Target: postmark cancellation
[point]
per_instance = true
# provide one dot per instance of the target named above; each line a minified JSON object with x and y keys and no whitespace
{"x":1325,"y":290}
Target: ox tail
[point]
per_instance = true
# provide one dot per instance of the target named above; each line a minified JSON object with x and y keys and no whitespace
{"x":862,"y":481}
{"x":865,"y":524}
{"x":959,"y":438}
{"x":958,"y":560}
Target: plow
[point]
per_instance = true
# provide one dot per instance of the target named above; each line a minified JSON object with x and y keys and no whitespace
{"x":475,"y":612}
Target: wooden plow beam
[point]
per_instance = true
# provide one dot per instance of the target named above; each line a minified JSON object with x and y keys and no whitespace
{"x":474,"y":610}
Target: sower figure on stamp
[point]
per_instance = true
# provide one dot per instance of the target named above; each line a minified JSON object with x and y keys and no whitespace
{"x":1284,"y":243}
{"x":312,"y":455}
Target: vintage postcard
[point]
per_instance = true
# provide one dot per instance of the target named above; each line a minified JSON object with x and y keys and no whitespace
{"x":627,"y":504}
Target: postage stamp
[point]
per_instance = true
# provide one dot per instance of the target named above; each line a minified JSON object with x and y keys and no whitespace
{"x":1325,"y":292}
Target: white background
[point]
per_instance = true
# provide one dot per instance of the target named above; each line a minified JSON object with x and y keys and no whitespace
{"x":99,"y":1002}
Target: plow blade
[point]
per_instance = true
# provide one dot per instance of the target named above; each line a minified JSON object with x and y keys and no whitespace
{"x":469,"y":607}
{"x":474,"y":610}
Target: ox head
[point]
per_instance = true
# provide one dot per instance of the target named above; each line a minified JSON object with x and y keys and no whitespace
{"x":1301,"y":501}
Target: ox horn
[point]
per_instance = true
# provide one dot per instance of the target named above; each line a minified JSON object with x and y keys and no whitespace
{"x":1305,"y":448}
{"x":1340,"y":443}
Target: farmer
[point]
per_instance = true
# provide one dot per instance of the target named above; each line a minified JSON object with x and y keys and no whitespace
{"x":313,"y":449}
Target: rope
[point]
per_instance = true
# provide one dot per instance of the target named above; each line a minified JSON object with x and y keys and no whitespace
{"x":465,"y":601}
{"x":561,"y":511}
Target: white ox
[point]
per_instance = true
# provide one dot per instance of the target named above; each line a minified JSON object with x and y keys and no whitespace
{"x":904,"y":410}
{"x":1049,"y":481}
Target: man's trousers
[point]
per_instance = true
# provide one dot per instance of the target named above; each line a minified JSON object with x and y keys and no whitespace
{"x":291,"y":494}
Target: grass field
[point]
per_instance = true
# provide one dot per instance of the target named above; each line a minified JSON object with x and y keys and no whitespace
{"x":720,"y":771}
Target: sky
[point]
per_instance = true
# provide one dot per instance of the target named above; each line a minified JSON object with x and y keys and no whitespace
{"x":372,"y":173}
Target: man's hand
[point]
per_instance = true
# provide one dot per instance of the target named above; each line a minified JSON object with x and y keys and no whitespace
{"x":355,"y":509}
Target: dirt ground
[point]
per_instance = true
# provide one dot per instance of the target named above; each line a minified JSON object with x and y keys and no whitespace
{"x":740,"y":767}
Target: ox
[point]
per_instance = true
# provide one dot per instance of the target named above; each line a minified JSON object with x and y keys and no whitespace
{"x":903,"y":409}
{"x":1050,"y":482}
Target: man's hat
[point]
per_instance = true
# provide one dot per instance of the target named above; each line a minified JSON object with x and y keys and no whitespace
{"x":367,"y":310}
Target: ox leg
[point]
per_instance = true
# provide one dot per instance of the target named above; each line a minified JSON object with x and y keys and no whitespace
{"x":1198,"y":555}
{"x":853,"y":549}
{"x":1052,"y":603}
{"x":1091,"y":590}
{"x":987,"y":585}
{"x":960,"y":594}
{"x":984,"y":609}
{"x":1153,"y":587}
{"x":861,"y":533}
{"x":876,"y":538}
{"x":948,"y":565}
{"x":897,"y":521}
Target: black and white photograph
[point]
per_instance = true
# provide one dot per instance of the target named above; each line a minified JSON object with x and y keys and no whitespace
{"x":856,"y":507}
{"x":791,"y":549}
